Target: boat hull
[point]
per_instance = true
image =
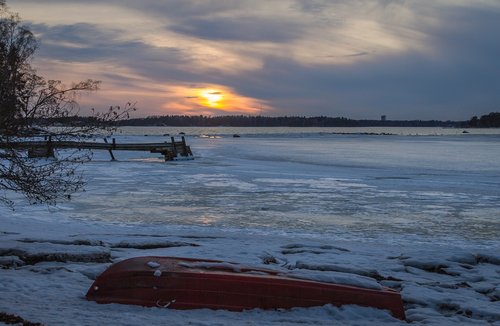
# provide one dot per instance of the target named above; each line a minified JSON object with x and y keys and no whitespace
{"x":183,"y":283}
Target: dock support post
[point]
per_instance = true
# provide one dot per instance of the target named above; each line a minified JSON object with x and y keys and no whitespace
{"x":184,"y":151}
{"x":110,"y":150}
{"x":174,"y":150}
{"x":50,"y":148}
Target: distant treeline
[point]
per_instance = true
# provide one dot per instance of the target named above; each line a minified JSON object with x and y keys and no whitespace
{"x":262,"y":121}
{"x":491,"y":120}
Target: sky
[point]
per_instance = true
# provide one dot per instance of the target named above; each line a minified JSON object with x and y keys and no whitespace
{"x":360,"y":59}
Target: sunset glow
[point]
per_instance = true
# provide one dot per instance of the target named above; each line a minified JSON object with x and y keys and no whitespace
{"x":211,"y":98}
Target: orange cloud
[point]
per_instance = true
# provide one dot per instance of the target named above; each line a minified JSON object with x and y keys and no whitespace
{"x":211,"y":99}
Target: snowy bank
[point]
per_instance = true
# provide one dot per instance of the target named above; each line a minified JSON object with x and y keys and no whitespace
{"x":454,"y":286}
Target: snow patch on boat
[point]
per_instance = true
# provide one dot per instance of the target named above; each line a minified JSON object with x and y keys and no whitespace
{"x":153,"y":264}
{"x":213,"y":266}
{"x":337,"y":278}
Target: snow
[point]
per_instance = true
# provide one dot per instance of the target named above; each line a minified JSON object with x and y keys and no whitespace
{"x":415,"y":223}
{"x":209,"y":265}
{"x":153,"y":264}
{"x":338,"y":278}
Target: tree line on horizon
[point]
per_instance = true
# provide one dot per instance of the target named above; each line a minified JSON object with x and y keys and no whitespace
{"x":283,"y":121}
{"x":491,"y":120}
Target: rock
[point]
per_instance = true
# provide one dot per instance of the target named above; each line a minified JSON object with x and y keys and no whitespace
{"x":11,"y":261}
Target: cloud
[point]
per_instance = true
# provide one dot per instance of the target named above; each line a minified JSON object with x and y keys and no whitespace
{"x":455,"y":79}
{"x":210,"y":99}
{"x":357,"y":54}
{"x":425,"y":59}
{"x":241,"y":29}
{"x":83,"y":42}
{"x":106,"y":49}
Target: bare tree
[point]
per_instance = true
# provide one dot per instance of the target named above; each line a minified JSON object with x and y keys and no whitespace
{"x":29,"y":103}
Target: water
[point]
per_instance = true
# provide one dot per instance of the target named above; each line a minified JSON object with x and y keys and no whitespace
{"x":441,"y":186}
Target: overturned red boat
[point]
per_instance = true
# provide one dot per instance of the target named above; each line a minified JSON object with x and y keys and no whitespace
{"x":185,"y":283}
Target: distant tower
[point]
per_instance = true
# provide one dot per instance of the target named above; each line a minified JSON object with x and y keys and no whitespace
{"x":383,"y":118}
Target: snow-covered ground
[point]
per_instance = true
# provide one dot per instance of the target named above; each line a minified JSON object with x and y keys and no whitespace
{"x":420,"y":214}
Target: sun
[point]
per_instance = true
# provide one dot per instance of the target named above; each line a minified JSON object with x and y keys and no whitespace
{"x":212,"y":97}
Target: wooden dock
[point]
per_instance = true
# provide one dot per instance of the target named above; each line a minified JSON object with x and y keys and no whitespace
{"x":45,"y":148}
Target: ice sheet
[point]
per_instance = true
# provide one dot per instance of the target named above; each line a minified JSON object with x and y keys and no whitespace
{"x":419,"y":214}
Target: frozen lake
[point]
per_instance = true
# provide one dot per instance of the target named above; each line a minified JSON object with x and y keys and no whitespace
{"x":415,"y":185}
{"x":417,"y":210}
